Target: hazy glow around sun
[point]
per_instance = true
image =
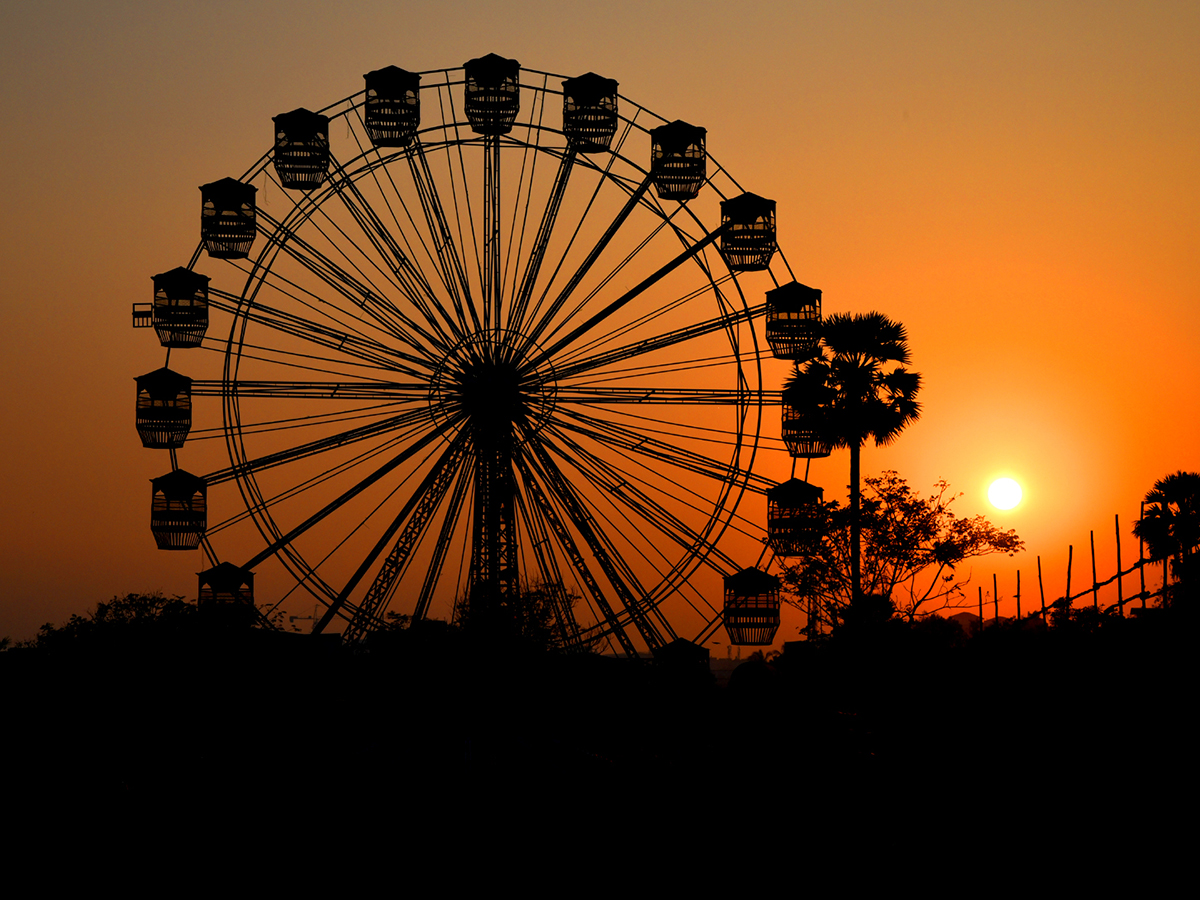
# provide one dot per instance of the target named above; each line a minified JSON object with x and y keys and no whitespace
{"x":1004,"y":493}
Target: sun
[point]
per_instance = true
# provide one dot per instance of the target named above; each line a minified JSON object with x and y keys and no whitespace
{"x":1004,"y":493}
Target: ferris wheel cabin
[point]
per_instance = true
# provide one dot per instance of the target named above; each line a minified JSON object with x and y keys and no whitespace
{"x":678,"y":161}
{"x":226,"y":583}
{"x":748,"y":232}
{"x":590,"y":112}
{"x":493,"y":93}
{"x":164,"y":409}
{"x":180,"y":307}
{"x":178,"y":510}
{"x":794,"y":321}
{"x":301,"y":149}
{"x":393,"y":106}
{"x":794,"y":520}
{"x":751,"y":607}
{"x":802,"y":435}
{"x":227,"y":218}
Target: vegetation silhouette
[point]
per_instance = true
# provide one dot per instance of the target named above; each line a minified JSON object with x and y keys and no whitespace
{"x":852,"y":392}
{"x":171,"y":715}
{"x":912,"y":551}
{"x":1170,"y":526}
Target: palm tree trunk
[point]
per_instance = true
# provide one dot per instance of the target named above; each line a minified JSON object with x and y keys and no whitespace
{"x":855,"y":526}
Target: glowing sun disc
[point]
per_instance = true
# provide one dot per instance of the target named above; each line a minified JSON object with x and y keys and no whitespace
{"x":1004,"y":493}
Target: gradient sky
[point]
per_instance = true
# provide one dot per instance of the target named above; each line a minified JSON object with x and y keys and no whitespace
{"x":1018,"y":183}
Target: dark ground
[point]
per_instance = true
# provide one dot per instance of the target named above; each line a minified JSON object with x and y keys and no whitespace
{"x":892,"y":725}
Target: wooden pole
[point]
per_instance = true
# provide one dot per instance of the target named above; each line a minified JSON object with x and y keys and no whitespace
{"x":1070,"y":557}
{"x":995,"y":600}
{"x":1018,"y":595}
{"x":1120,"y":587}
{"x":1041,"y":589}
{"x":1142,"y":557}
{"x":1095,"y":596}
{"x":981,"y":608}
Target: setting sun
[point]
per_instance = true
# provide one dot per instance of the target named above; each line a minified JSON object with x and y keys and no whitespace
{"x":1004,"y":493}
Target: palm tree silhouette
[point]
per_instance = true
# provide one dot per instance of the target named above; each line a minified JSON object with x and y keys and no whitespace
{"x":1170,"y":523}
{"x":853,"y":395}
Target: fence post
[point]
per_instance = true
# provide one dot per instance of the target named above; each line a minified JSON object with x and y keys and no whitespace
{"x":1120,"y":587}
{"x":1018,"y":595}
{"x":1095,"y":599}
{"x":1041,"y":589}
{"x":1070,"y":557}
{"x":1142,"y":556}
{"x":995,"y":600}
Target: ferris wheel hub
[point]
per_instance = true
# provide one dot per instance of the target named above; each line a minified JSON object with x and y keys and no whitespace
{"x":487,"y":382}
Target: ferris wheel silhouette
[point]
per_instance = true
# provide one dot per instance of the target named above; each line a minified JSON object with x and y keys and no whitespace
{"x":484,"y":329}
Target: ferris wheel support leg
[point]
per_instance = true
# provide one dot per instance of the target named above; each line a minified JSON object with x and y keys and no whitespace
{"x":494,"y":564}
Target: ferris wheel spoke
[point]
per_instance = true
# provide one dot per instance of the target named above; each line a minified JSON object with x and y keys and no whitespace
{"x":629,"y":295}
{"x":644,"y":321}
{"x":418,"y":418}
{"x":263,"y":503}
{"x":445,"y":538}
{"x":624,"y":483}
{"x":548,"y":569}
{"x":548,"y":317}
{"x":409,"y":250}
{"x":293,"y":423}
{"x":571,"y":550}
{"x":358,"y":288}
{"x":406,"y":276}
{"x":398,"y":392}
{"x":626,"y":527}
{"x":450,"y":265}
{"x":674,"y":577}
{"x":344,"y":321}
{"x":656,"y":396}
{"x":629,"y":440}
{"x":399,"y":459}
{"x":371,"y":352}
{"x":619,"y":575}
{"x":637,"y":189}
{"x":649,"y":456}
{"x":537,"y":252}
{"x":491,"y":231}
{"x":416,"y":512}
{"x":661,"y":342}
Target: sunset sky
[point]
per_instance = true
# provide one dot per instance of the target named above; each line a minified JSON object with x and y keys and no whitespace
{"x":1018,"y":183}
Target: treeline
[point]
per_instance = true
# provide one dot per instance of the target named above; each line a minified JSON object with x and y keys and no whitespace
{"x":151,"y":702}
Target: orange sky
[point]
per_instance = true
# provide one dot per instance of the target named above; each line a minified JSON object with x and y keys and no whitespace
{"x":1016,"y":182}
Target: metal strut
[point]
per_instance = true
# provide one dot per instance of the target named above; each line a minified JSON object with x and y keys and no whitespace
{"x":584,"y":521}
{"x":421,"y":507}
{"x":576,"y":558}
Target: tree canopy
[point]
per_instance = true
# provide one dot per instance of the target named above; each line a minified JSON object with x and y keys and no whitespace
{"x":913,"y":548}
{"x":857,"y":388}
{"x":1170,"y":523}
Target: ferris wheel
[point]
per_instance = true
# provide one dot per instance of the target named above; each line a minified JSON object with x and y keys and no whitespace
{"x":473,"y":332}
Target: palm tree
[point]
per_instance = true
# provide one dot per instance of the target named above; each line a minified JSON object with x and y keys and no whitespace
{"x":1170,"y":523}
{"x":855,"y":393}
